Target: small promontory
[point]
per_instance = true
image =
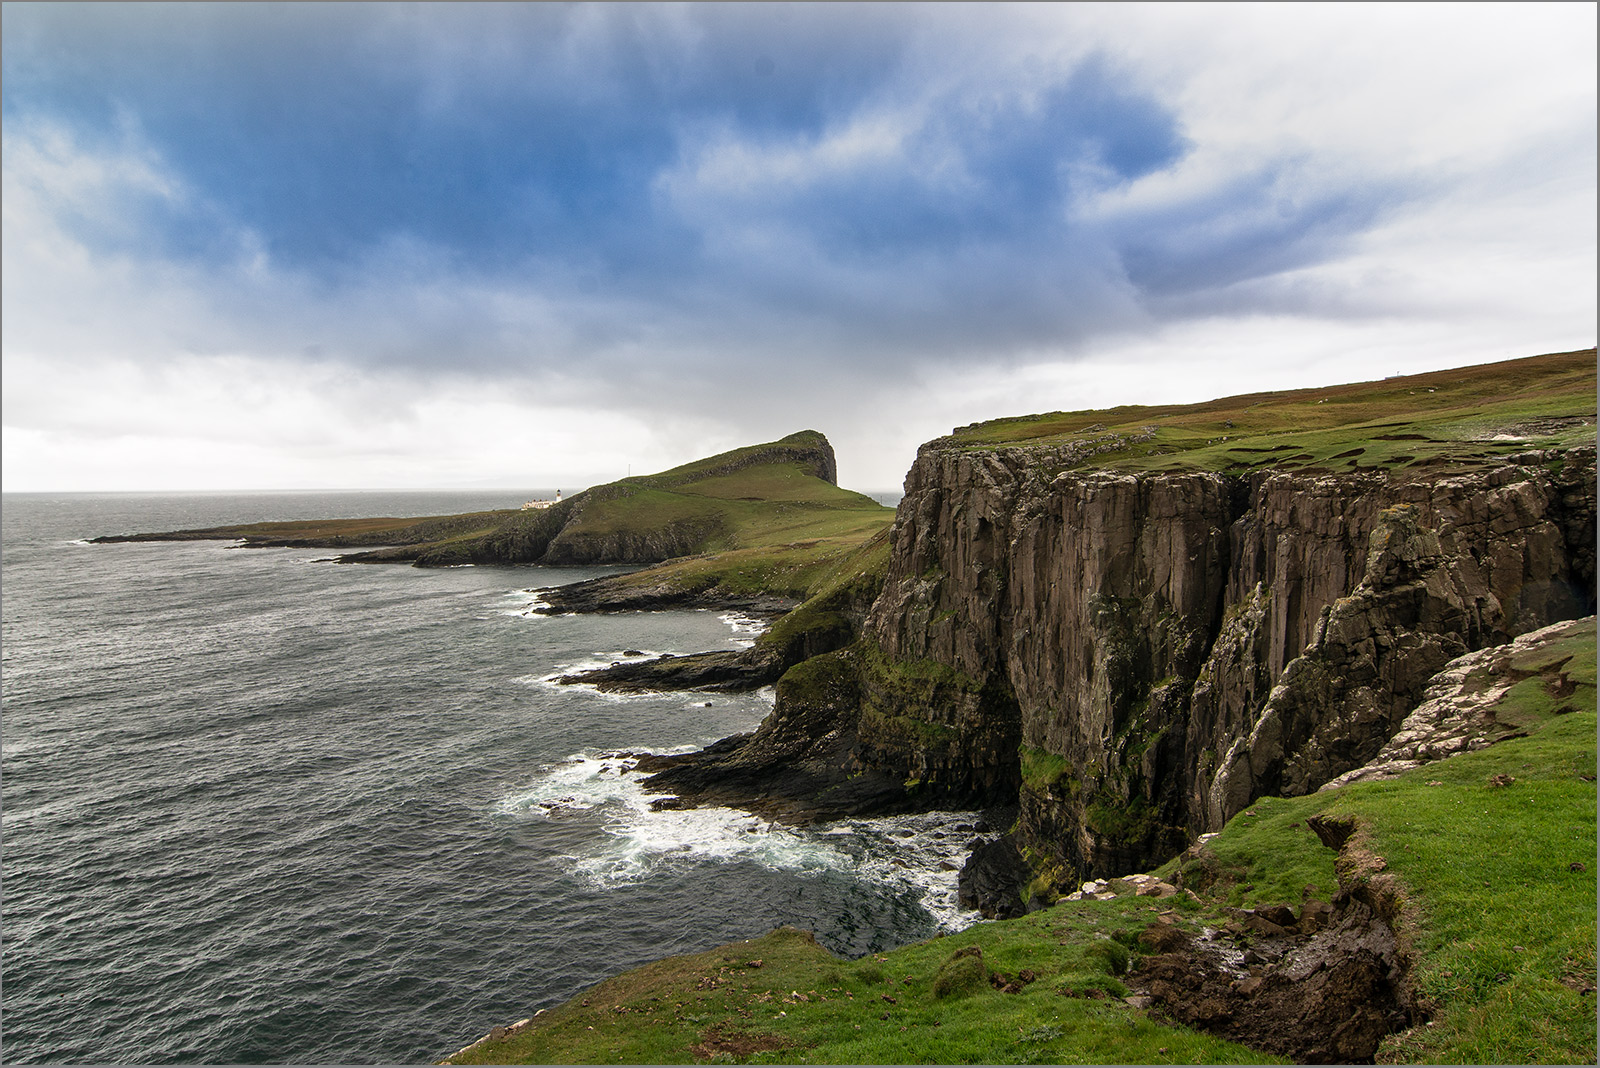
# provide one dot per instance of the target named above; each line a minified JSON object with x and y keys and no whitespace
{"x":778,"y":493}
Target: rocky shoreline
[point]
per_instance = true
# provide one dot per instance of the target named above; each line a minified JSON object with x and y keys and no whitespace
{"x":611,"y":594}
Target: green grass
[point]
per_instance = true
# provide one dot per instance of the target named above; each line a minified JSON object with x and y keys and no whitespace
{"x":1502,"y":918}
{"x":773,"y":503}
{"x":775,"y":497}
{"x":808,"y":1006}
{"x":1042,"y":769}
{"x":1501,"y":928}
{"x":1441,"y":420}
{"x":850,"y":548}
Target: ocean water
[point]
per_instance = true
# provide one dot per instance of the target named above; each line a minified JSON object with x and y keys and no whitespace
{"x":256,"y":806}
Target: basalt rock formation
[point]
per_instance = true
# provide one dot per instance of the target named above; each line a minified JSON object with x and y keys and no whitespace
{"x":1133,"y":655}
{"x":1180,"y":644}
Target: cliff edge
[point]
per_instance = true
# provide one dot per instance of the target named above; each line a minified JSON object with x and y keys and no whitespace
{"x":1132,"y":624}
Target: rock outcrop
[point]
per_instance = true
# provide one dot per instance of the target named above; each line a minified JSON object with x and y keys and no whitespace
{"x":629,"y":595}
{"x":1458,"y":713}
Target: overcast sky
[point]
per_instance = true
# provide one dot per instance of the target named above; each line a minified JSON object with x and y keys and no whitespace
{"x":412,"y":246}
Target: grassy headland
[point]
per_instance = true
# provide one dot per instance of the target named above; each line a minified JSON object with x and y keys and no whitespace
{"x":1493,"y":851}
{"x":1441,"y":420}
{"x":775,"y":502}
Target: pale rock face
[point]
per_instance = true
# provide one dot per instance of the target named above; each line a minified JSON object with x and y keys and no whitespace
{"x":1189,"y":642}
{"x":1455,"y":715}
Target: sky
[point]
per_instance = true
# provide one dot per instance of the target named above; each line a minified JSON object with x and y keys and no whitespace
{"x":480,"y":246}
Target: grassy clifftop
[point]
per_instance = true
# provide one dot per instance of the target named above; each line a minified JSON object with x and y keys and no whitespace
{"x":1457,"y":418}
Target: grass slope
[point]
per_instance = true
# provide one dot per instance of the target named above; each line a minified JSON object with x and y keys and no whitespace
{"x":810,"y":567}
{"x":1500,"y":922}
{"x":1444,"y":419}
{"x":776,"y":500}
{"x":761,"y":496}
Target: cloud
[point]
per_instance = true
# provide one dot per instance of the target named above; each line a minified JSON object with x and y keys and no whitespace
{"x":701,"y":225}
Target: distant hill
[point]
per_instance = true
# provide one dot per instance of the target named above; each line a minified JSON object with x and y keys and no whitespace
{"x":774,"y":494}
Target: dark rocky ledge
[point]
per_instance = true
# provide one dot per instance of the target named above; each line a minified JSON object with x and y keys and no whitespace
{"x":608,"y":594}
{"x":809,"y":759}
{"x":792,"y":791}
{"x":994,"y":878}
{"x":724,"y":671}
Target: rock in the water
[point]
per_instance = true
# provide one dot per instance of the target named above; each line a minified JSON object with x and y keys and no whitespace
{"x":993,"y":880}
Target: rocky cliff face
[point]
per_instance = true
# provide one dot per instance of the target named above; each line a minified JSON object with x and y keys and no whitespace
{"x":1161,"y":649}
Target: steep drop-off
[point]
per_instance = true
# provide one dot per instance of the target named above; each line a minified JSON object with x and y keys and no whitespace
{"x":1181,"y":644}
{"x":1133,"y":633}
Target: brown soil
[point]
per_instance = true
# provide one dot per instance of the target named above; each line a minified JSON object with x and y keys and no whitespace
{"x":739,"y":1044}
{"x":1322,"y":986}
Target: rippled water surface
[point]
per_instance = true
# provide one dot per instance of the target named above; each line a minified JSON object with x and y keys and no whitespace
{"x":260,"y":807}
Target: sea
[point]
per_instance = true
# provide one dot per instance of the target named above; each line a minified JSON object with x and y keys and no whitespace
{"x":260,"y":807}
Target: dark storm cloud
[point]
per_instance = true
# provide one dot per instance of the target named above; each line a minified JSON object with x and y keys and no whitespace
{"x":501,"y":132}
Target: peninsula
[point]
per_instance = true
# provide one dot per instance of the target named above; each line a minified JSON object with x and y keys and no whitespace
{"x":1292,"y":696}
{"x":778,"y":502}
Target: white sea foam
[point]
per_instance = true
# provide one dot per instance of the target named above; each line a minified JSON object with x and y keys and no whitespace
{"x":595,"y":662}
{"x":603,"y":659}
{"x":746,"y":628}
{"x":529,"y":604}
{"x":549,"y":682}
{"x":638,"y":839}
{"x":578,"y":784}
{"x":920,"y":853}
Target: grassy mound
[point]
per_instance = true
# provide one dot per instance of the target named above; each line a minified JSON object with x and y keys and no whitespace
{"x":1495,"y":851}
{"x":1442,"y":420}
{"x":776,"y":503}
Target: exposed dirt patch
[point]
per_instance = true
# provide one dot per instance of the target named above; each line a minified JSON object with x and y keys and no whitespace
{"x":1323,"y":985}
{"x":719,"y":1040}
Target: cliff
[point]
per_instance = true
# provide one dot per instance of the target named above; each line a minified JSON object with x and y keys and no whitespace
{"x":1179,"y":645}
{"x":1133,"y":632}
